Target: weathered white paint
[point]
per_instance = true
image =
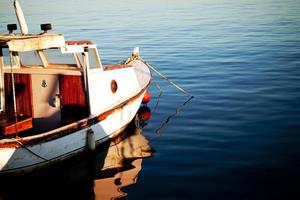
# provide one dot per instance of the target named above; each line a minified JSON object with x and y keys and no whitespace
{"x":129,"y":80}
{"x":33,"y":43}
{"x":101,"y":96}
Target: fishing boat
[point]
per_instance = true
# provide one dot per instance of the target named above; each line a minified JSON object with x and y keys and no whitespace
{"x":58,"y":99}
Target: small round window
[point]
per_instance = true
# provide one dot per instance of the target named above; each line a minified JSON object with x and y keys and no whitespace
{"x":113,"y":86}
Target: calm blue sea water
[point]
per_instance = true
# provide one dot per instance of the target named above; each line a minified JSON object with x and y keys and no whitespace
{"x":239,"y":137}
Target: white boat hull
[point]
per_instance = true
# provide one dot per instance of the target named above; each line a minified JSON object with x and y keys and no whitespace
{"x":31,"y":157}
{"x":26,"y":154}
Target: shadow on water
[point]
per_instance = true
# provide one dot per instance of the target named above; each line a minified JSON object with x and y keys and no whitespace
{"x":97,"y":175}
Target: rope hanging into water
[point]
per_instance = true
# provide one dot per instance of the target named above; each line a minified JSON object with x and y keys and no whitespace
{"x":167,"y":79}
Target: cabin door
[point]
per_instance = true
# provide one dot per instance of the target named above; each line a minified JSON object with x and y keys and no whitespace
{"x":46,"y":102}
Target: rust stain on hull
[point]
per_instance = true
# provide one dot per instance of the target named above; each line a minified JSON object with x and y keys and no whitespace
{"x":114,"y":67}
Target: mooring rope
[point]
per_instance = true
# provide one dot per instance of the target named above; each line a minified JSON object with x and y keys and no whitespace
{"x":178,"y":109}
{"x":161,"y":75}
{"x":138,"y":57}
{"x":160,"y":93}
{"x":30,"y":151}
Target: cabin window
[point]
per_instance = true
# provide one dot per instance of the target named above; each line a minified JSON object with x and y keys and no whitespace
{"x":28,"y":58}
{"x":56,"y":57}
{"x":93,"y":59}
{"x":6,"y":58}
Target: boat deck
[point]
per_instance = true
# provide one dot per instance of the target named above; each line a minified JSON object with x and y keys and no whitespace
{"x":9,"y":126}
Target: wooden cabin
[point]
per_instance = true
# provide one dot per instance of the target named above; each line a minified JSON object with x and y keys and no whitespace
{"x":43,"y":82}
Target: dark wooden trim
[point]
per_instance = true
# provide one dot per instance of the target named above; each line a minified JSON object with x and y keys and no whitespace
{"x":10,"y":127}
{"x":23,"y":94}
{"x":73,"y":98}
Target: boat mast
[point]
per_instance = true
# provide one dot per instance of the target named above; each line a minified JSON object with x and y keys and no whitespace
{"x":21,"y":18}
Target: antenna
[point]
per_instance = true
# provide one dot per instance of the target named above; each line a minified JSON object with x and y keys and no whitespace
{"x":21,"y":18}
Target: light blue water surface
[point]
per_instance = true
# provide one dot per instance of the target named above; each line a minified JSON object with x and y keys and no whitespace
{"x":239,"y":137}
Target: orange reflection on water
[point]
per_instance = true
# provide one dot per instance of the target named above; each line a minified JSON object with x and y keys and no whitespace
{"x":125,"y":157}
{"x":110,"y":188}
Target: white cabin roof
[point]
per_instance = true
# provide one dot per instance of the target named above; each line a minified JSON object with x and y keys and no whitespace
{"x":31,"y":42}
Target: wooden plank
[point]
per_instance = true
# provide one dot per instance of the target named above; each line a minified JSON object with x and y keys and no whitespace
{"x":73,"y":97}
{"x":44,"y":41}
{"x":10,"y":128}
{"x":8,"y":125}
{"x":43,"y":58}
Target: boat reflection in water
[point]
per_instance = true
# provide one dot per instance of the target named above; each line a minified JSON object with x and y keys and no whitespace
{"x":121,"y":166}
{"x":98,"y":175}
{"x":110,"y":187}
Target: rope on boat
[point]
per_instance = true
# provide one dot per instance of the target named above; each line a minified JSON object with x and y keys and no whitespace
{"x":178,"y":109}
{"x":23,"y":146}
{"x":167,"y":79}
{"x":158,"y":87}
{"x":14,"y":93}
{"x":160,"y":93}
{"x":15,"y":110}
